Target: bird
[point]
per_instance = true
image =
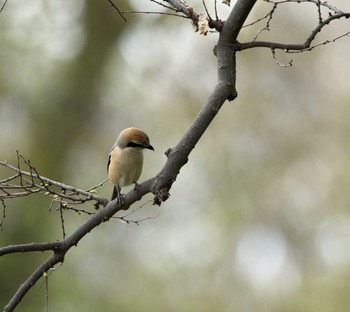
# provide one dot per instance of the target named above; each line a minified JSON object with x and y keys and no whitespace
{"x":125,"y":161}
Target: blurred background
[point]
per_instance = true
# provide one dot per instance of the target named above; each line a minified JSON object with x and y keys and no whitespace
{"x":258,"y":219}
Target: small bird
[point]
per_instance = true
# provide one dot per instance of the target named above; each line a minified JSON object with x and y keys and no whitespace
{"x":126,"y":159}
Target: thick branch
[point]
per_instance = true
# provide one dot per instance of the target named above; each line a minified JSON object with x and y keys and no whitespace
{"x":228,"y":37}
{"x":178,"y":156}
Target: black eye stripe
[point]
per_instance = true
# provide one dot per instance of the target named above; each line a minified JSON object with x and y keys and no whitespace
{"x":133,"y":144}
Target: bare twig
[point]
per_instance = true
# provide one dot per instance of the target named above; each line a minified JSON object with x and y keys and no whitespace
{"x":78,"y":211}
{"x":163,"y":5}
{"x":91,"y":189}
{"x":3,"y":6}
{"x":187,"y":11}
{"x":117,"y":10}
{"x":3,"y":213}
{"x":44,"y":186}
{"x":317,"y":2}
{"x":216,"y":10}
{"x":61,"y":207}
{"x":206,"y":9}
{"x":318,"y":5}
{"x":267,"y":15}
{"x":267,"y":26}
{"x":153,"y":12}
{"x":125,"y":218}
{"x":296,"y":48}
{"x":46,"y":276}
{"x":290,"y":63}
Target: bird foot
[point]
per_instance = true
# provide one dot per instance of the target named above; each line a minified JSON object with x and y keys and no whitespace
{"x":137,"y":187}
{"x":120,"y":199}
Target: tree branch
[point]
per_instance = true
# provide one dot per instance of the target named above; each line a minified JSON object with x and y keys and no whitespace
{"x":61,"y":247}
{"x":293,"y":48}
{"x":318,"y":3}
{"x":3,"y":6}
{"x":28,"y":284}
{"x":22,"y":248}
{"x":187,"y":11}
{"x":227,"y":39}
{"x":31,"y":182}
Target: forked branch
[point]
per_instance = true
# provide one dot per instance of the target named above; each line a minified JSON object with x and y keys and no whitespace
{"x":297,"y":48}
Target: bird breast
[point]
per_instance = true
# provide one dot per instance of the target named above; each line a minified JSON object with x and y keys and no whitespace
{"x":125,"y":166}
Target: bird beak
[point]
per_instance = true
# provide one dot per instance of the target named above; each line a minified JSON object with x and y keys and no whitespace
{"x":150,"y":147}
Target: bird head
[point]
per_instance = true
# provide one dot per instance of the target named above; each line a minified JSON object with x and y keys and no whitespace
{"x":135,"y":138}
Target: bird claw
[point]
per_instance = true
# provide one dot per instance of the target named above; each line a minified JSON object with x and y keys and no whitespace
{"x":120,"y":199}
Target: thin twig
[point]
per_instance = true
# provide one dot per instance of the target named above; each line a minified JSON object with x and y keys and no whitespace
{"x":116,"y":9}
{"x":62,"y":220}
{"x":3,"y":213}
{"x":216,"y":10}
{"x":322,"y":3}
{"x":46,"y":292}
{"x":153,"y":12}
{"x":290,"y":64}
{"x":124,"y":218}
{"x":45,"y":184}
{"x":96,"y":186}
{"x":296,"y":48}
{"x":163,"y":5}
{"x":267,"y":26}
{"x":3,"y":6}
{"x":206,"y":9}
{"x":318,"y":5}
{"x":188,"y":12}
